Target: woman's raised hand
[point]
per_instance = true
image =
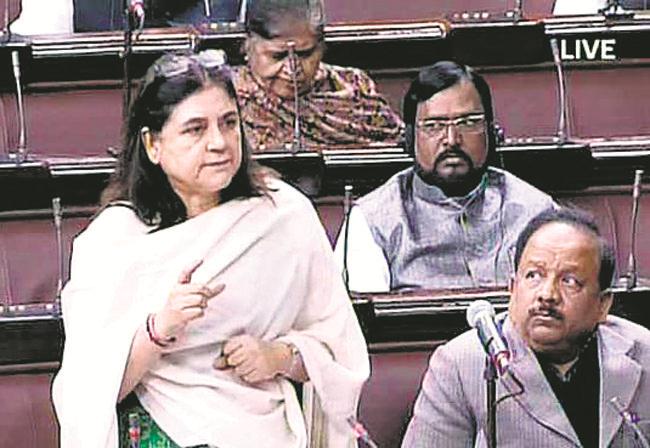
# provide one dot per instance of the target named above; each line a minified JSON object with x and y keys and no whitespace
{"x":187,"y":301}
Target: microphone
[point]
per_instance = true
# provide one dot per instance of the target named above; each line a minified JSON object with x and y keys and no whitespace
{"x":208,"y":9}
{"x":22,"y":138}
{"x":480,"y":315}
{"x":136,"y":8}
{"x":293,"y":67}
{"x":347,"y":199}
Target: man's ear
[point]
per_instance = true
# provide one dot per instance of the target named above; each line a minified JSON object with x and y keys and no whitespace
{"x":606,"y":301}
{"x":149,"y":145}
{"x":245,"y":48}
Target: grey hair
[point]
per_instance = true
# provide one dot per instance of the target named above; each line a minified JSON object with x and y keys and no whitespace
{"x":261,"y":15}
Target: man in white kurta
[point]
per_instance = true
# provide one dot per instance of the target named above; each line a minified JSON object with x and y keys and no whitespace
{"x":44,"y":17}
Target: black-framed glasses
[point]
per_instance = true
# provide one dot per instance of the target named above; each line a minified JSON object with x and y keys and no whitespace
{"x":171,"y":65}
{"x":434,"y":127}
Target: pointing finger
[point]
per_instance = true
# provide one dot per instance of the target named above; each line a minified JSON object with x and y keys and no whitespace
{"x":186,"y":275}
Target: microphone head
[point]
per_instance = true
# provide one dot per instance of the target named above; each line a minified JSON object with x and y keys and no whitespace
{"x":477,"y":308}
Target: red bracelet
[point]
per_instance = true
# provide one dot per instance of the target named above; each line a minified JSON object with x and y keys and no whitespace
{"x":153,"y":336}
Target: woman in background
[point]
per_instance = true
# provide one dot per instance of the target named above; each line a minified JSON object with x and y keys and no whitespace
{"x":202,"y":288}
{"x":338,"y":105}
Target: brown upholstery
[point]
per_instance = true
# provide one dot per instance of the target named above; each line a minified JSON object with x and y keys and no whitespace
{"x":612,"y":213}
{"x":23,"y":281}
{"x":330,"y":212}
{"x":386,"y":10}
{"x":605,"y":102}
{"x":77,"y":122}
{"x":28,"y":258}
{"x":26,"y":415}
{"x":10,"y":10}
{"x":387,"y":398}
{"x":519,"y":96}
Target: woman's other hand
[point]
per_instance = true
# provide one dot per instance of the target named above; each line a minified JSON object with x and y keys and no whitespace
{"x":254,"y":360}
{"x":187,"y":301}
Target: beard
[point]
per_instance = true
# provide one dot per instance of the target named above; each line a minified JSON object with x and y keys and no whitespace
{"x":454,"y":184}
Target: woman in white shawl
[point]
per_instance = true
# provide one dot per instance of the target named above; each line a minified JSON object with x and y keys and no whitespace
{"x":202,"y":288}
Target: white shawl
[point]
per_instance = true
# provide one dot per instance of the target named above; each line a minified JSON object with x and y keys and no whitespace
{"x":281,"y":282}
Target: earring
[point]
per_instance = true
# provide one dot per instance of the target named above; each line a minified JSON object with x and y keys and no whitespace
{"x":149,"y":147}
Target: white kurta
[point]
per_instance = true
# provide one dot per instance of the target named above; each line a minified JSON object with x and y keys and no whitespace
{"x":44,"y":17}
{"x":281,"y":282}
{"x":567,"y":7}
{"x":368,"y":270}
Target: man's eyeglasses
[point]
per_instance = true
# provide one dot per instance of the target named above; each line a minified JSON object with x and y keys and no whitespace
{"x":434,"y":127}
{"x":171,"y":65}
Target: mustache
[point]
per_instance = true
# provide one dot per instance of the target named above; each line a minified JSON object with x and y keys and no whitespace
{"x":548,"y":311}
{"x":454,"y":151}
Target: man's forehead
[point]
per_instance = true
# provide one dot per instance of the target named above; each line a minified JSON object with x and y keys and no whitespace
{"x":460,"y":99}
{"x":563,"y":244}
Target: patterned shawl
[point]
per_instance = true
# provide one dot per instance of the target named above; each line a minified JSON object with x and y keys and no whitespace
{"x":342,"y":109}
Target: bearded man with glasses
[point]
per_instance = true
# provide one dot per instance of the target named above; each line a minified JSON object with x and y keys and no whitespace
{"x":451,"y":220}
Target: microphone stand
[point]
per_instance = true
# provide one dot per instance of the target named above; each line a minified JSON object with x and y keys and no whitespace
{"x":57,"y":213}
{"x":21,"y":152}
{"x":347,"y":208}
{"x":518,"y":12}
{"x":296,"y":143}
{"x":490,"y":376}
{"x":130,"y":28}
{"x":243,"y":7}
{"x":631,"y":277}
{"x":562,"y":126}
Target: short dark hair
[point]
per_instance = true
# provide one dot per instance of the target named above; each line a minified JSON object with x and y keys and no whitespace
{"x":580,"y":220}
{"x":264,"y":16}
{"x":144,"y":184}
{"x":441,"y":76}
